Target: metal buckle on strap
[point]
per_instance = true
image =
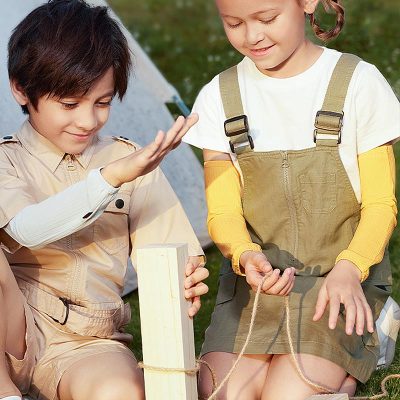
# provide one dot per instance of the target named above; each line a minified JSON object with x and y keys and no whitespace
{"x":248,"y":142}
{"x":66,"y":303}
{"x":335,"y":127}
{"x":231,"y":130}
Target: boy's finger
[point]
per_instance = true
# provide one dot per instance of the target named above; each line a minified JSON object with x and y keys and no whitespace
{"x":198,"y":290}
{"x":196,"y":277}
{"x":195,"y":307}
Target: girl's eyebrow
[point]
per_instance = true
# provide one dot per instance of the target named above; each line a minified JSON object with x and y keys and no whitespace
{"x":254,"y":14}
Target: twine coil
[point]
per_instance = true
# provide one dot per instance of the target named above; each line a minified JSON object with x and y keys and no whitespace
{"x":217,"y":388}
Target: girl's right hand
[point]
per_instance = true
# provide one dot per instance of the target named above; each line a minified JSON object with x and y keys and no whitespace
{"x":256,"y":267}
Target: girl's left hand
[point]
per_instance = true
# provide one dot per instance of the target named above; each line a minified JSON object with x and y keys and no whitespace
{"x":194,"y":285}
{"x":342,"y":286}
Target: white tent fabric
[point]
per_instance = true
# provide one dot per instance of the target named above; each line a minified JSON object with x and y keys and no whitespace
{"x":138,"y":117}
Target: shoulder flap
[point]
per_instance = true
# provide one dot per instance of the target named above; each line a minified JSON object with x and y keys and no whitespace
{"x":8,"y":139}
{"x":125,"y":140}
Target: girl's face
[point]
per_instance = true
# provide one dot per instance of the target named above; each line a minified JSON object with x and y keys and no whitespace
{"x":269,"y":32}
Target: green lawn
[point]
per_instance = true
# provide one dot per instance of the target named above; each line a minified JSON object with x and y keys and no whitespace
{"x":185,"y":39}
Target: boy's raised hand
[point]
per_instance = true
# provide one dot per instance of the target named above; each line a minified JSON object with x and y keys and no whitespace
{"x":149,"y":157}
{"x":256,"y":267}
{"x":342,"y":286}
{"x":194,"y":285}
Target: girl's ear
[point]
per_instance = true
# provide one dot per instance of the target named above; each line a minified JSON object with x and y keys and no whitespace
{"x":310,"y":6}
{"x":18,"y":93}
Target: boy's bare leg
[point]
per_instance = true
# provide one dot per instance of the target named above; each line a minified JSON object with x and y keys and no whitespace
{"x":106,"y":376}
{"x":284,"y":382}
{"x":12,"y":325}
{"x":246,"y":381}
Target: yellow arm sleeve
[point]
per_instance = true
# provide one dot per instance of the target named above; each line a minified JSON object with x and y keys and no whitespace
{"x":378,"y":209}
{"x":225,"y":221}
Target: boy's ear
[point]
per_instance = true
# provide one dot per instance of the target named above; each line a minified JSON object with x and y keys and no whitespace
{"x":18,"y":93}
{"x":310,"y":6}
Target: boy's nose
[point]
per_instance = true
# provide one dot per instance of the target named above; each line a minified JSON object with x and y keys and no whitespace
{"x":87,"y":120}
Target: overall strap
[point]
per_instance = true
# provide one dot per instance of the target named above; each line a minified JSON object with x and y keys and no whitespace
{"x":236,"y":125}
{"x":329,"y":120}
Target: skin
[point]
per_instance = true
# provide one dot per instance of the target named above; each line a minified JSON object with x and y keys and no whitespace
{"x":272,"y":34}
{"x":70,"y":124}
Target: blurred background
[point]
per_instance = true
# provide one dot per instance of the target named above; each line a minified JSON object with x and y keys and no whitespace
{"x":185,"y":39}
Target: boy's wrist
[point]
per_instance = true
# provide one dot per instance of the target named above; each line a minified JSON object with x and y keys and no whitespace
{"x":108,"y":174}
{"x":354,"y":260}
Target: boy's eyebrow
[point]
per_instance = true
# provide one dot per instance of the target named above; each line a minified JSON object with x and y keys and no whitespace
{"x":110,"y":93}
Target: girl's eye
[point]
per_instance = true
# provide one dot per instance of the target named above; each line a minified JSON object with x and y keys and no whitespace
{"x":268,"y":21}
{"x":69,"y":106}
{"x":233,"y":26}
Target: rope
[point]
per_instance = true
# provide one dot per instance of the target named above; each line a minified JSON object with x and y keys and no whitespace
{"x":217,"y":389}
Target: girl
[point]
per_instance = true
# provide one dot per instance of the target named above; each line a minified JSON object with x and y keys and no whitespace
{"x":299,"y":172}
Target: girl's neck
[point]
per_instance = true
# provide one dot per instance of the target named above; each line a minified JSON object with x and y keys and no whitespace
{"x":300,"y":60}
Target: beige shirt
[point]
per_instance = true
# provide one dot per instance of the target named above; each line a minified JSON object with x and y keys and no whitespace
{"x":87,"y":267}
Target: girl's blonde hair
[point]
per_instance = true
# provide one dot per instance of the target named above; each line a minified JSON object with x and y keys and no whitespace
{"x":337,"y":7}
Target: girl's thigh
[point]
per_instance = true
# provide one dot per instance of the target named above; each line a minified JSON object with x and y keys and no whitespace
{"x":105,"y":376}
{"x":246,"y":381}
{"x":284,"y":382}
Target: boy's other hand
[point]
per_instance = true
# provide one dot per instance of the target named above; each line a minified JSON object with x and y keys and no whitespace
{"x":256,"y":267}
{"x":342,"y":286}
{"x":149,"y":157}
{"x":194,"y":285}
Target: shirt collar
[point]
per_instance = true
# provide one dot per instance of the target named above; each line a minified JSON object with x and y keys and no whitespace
{"x":46,"y":151}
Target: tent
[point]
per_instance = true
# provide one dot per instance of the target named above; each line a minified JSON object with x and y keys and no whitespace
{"x":142,"y":112}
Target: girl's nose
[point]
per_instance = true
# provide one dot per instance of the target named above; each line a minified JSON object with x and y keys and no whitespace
{"x":254,"y":34}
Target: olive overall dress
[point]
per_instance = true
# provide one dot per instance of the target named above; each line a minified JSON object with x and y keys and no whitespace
{"x":300,"y":207}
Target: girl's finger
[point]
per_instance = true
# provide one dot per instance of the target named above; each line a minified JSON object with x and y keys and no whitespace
{"x":271,"y":280}
{"x":360,"y":317}
{"x":197,"y":276}
{"x":351,"y":314}
{"x":322,"y":302}
{"x":282,"y":282}
{"x":368,"y":316}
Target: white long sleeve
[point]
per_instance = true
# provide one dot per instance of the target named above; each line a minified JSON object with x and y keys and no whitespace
{"x":62,"y":214}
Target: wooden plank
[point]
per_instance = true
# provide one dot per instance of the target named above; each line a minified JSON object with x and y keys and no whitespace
{"x":338,"y":396}
{"x":167,"y":330}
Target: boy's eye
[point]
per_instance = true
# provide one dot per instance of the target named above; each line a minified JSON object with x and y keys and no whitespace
{"x":69,"y":106}
{"x":104,"y":103}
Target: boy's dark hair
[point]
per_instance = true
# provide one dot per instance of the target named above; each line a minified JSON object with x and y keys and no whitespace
{"x":62,"y":47}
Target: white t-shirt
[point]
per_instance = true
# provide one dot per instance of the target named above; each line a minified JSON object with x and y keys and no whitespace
{"x":281,"y":112}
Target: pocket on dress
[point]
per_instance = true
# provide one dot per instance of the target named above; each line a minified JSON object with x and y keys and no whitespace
{"x":318,"y":192}
{"x":227,"y":288}
{"x":111,"y":231}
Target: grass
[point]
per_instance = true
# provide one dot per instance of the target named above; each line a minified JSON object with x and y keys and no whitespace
{"x":186,"y":41}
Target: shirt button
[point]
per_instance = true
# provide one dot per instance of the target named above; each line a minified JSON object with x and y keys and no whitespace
{"x":7,"y":137}
{"x":119,"y":203}
{"x":87,"y":215}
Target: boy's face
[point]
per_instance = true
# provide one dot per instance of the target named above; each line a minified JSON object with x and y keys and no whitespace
{"x":270,"y":32}
{"x":71,"y":123}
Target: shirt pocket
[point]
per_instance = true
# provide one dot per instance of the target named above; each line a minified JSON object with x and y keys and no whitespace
{"x":318,"y":192}
{"x":111,"y":231}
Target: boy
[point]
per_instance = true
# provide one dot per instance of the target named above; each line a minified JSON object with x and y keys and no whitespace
{"x":72,"y":208}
